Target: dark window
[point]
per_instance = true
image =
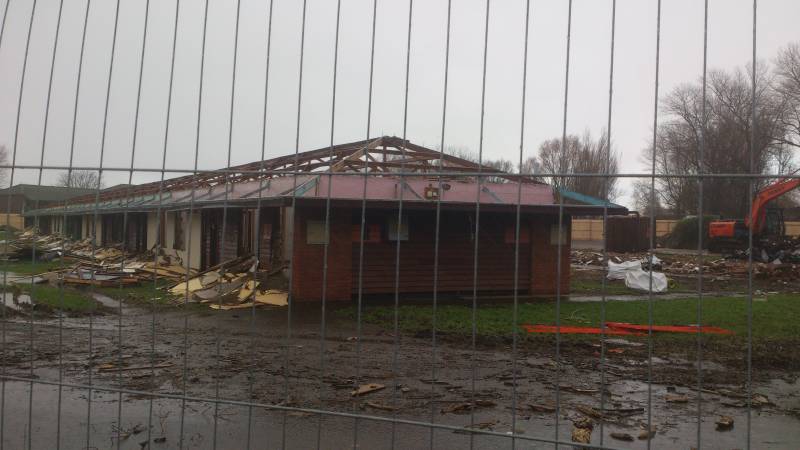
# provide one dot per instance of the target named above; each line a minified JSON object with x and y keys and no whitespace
{"x":177,"y":239}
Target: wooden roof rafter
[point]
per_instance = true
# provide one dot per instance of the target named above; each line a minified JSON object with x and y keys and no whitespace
{"x":385,"y":155}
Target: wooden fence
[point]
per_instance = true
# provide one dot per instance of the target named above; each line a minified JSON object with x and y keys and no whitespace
{"x":592,"y":229}
{"x":14,"y":220}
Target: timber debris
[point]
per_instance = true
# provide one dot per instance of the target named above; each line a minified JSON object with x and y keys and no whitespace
{"x":233,"y":284}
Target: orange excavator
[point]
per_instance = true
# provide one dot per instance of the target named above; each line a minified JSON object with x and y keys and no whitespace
{"x":728,"y":235}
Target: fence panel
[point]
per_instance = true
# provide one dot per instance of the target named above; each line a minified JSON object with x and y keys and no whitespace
{"x":318,"y":224}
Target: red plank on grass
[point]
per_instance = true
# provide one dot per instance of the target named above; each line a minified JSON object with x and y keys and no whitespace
{"x":668,"y":328}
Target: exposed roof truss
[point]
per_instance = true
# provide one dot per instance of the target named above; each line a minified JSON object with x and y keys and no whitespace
{"x":382,"y":155}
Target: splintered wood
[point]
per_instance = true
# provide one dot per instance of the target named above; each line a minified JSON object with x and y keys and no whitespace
{"x":233,"y":284}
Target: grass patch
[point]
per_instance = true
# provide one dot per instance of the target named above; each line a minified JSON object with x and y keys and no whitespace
{"x":68,"y":300}
{"x":774,"y":318}
{"x":143,"y":294}
{"x":31,"y":267}
{"x":595,"y":287}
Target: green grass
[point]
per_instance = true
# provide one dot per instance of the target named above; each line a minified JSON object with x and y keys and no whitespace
{"x":143,"y":294}
{"x":591,"y":286}
{"x":30,"y":267}
{"x":69,"y":300}
{"x":595,"y":287}
{"x":774,"y":318}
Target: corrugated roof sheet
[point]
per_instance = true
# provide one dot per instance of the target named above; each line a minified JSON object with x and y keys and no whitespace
{"x":35,"y":192}
{"x":308,"y":187}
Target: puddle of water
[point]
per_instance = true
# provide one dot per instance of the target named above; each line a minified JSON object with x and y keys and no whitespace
{"x":16,"y":302}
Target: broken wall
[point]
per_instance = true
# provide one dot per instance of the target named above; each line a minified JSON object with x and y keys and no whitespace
{"x":191,"y":227}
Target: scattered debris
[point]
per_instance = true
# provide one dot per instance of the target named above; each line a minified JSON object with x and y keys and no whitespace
{"x":622,"y":436}
{"x":381,"y":406}
{"x":724,"y":423}
{"x":581,"y":435}
{"x":126,"y":433}
{"x":782,"y":263}
{"x":647,"y":435}
{"x":676,"y":398}
{"x":543,"y":408}
{"x":110,"y":367}
{"x":578,"y":390}
{"x":230,"y":285}
{"x":478,"y":426}
{"x":761,"y":400}
{"x":611,"y":415}
{"x":463,"y":407}
{"x":367,"y":388}
{"x":233,"y":284}
{"x":457,"y":408}
{"x":582,"y":430}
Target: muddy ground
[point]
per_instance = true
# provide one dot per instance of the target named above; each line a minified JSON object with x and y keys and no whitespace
{"x":245,"y":356}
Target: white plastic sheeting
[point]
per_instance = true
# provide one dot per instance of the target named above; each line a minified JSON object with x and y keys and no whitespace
{"x":639,"y":279}
{"x":635,"y":277}
{"x":617,"y":271}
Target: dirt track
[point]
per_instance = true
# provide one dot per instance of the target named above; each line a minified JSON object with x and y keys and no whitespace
{"x":322,"y":374}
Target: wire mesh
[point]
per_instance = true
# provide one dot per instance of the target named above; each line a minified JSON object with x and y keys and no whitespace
{"x":410,"y":275}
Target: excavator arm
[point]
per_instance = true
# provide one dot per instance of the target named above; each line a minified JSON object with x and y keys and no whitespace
{"x":758,"y":213}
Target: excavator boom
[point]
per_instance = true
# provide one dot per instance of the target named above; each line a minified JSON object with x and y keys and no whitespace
{"x":731,"y":234}
{"x":757,"y":216}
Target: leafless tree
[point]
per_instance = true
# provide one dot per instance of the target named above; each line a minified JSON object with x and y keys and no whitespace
{"x":88,"y":179}
{"x":531,"y":166}
{"x":581,"y":155}
{"x":642,"y":197}
{"x":787,"y":85}
{"x":726,"y":139}
{"x":501,"y":164}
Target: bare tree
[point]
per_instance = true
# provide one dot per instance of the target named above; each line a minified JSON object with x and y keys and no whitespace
{"x":531,"y":166}
{"x":787,"y":85}
{"x":581,"y":155}
{"x":643,"y":199}
{"x":501,"y":164}
{"x":88,"y":179}
{"x":726,"y":141}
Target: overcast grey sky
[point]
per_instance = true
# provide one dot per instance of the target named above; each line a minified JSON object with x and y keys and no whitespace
{"x":729,"y":45}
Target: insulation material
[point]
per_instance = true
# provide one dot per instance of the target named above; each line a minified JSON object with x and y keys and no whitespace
{"x":639,"y":279}
{"x":617,"y":271}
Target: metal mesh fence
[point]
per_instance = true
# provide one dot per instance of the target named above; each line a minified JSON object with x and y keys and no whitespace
{"x":373,"y":294}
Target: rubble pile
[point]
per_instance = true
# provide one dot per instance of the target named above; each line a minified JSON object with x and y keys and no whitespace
{"x":777,"y":265}
{"x":233,"y":284}
{"x":110,"y":266}
{"x":230,"y":285}
{"x":27,"y":244}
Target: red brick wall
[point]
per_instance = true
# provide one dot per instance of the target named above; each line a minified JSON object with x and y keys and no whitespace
{"x":456,"y":253}
{"x":544,"y":255}
{"x":308,"y":259}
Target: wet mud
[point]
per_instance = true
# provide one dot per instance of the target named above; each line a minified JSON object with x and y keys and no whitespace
{"x":245,"y":356}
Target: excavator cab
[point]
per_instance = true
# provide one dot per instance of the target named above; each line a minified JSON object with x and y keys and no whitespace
{"x":762,"y":221}
{"x":774,"y":224}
